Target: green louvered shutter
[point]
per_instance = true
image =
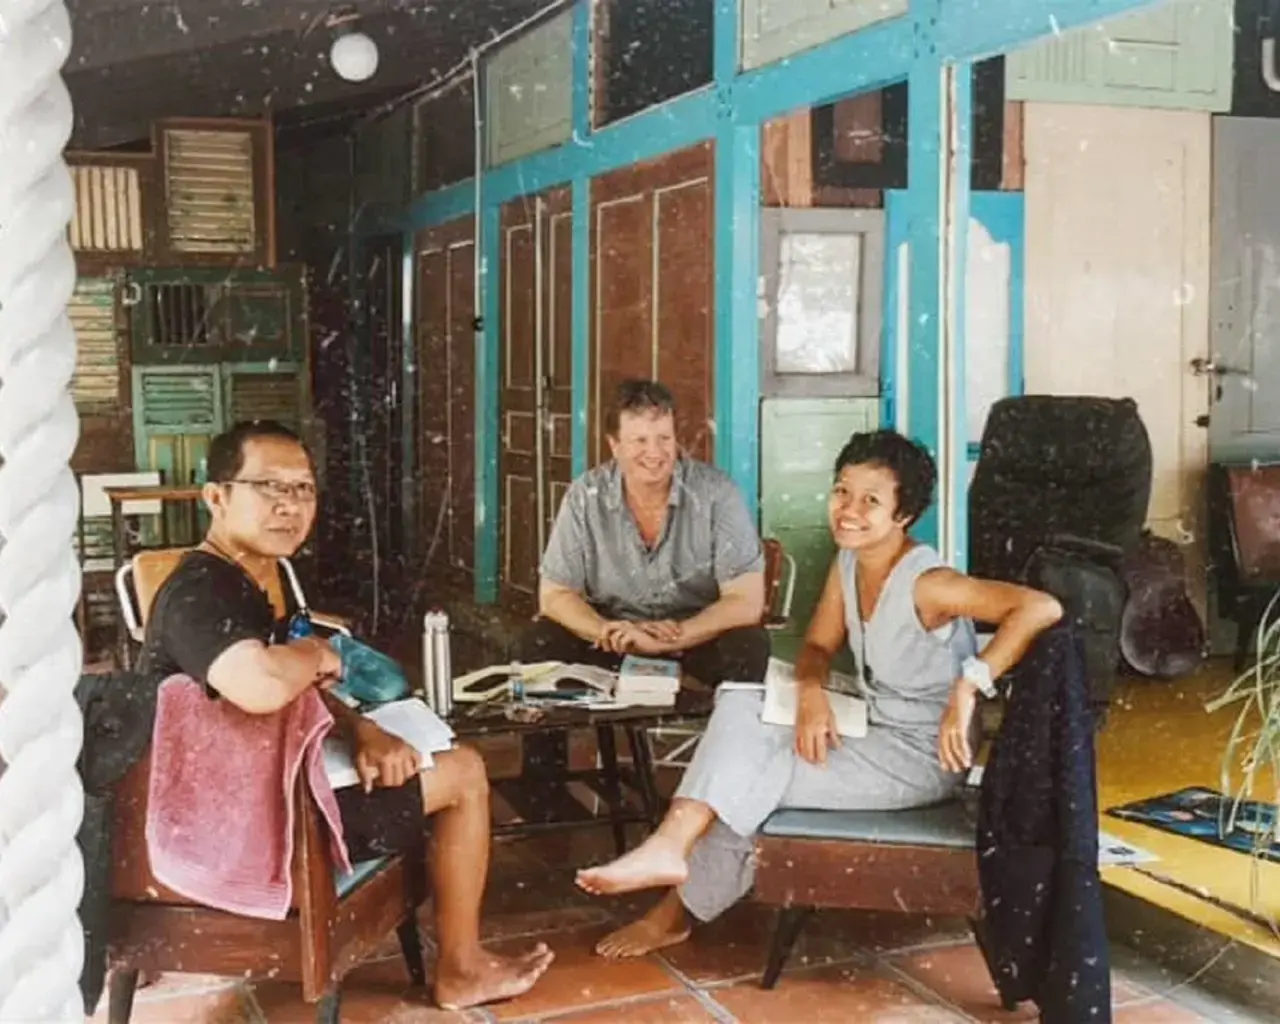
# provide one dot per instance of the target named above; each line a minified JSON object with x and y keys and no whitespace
{"x":176,"y":411}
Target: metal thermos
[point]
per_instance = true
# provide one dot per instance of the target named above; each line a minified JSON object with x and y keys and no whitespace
{"x":437,"y":663}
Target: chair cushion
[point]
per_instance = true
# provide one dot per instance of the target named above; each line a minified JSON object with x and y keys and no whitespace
{"x":948,"y":825}
{"x":360,"y":873}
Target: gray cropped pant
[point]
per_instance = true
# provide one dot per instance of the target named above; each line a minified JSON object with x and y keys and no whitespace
{"x":745,"y":770}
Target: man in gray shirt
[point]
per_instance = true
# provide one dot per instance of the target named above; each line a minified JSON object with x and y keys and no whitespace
{"x":652,"y":553}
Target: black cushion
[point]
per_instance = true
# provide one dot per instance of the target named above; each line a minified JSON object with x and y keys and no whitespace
{"x":1053,"y":465}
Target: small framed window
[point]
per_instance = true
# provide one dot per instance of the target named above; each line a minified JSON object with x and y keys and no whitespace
{"x":823,"y":274}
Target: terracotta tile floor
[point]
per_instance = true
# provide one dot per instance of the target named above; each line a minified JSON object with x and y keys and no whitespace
{"x":846,"y":967}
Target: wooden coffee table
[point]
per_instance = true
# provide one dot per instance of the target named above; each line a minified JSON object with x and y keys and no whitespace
{"x":541,"y":796}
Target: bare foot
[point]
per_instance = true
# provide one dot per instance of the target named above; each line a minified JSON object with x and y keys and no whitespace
{"x":666,"y":924}
{"x":491,"y":979}
{"x":657,"y":863}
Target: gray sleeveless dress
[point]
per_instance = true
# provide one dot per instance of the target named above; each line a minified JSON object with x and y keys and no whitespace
{"x":745,"y":770}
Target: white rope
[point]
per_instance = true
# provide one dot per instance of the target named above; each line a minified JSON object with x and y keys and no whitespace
{"x":41,"y":800}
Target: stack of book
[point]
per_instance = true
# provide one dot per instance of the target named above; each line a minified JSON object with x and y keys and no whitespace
{"x":647,"y":682}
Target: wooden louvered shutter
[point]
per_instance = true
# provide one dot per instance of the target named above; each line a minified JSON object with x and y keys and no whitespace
{"x":108,"y":218}
{"x":215,"y":185}
{"x":265,"y":392}
{"x":95,"y":384}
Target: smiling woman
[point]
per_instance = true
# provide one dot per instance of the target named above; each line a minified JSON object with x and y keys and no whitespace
{"x":908,"y":621}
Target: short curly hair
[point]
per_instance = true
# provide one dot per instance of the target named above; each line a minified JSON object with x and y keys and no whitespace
{"x":909,"y":461}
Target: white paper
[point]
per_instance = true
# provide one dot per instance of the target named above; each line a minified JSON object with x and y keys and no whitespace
{"x":780,"y":695}
{"x":411,"y":720}
{"x":1113,"y":851}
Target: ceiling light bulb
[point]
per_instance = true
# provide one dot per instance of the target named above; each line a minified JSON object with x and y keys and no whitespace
{"x":354,"y":57}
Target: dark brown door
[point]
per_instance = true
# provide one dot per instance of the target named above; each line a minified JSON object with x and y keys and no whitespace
{"x":446,"y":403}
{"x":535,"y":462}
{"x":652,"y":280}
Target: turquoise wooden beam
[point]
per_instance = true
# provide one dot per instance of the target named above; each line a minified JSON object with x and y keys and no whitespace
{"x":581,"y":244}
{"x":958,"y":105}
{"x":736,"y":241}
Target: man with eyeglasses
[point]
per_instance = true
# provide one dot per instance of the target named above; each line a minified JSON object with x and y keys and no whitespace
{"x":213,"y":621}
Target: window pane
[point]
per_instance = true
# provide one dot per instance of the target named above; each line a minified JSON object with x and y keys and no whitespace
{"x":818,"y":303}
{"x":986,"y":335}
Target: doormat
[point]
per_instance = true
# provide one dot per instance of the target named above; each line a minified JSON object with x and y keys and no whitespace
{"x":1198,"y":813}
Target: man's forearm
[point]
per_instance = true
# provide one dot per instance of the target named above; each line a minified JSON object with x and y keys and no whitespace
{"x":572,"y":612}
{"x":348,"y":720}
{"x":732,"y":611}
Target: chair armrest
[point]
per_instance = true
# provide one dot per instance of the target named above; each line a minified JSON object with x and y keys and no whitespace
{"x":128,"y":611}
{"x":333,"y":623}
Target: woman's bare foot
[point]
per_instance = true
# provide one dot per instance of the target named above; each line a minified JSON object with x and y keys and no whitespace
{"x":490,"y":978}
{"x":666,"y":924}
{"x":657,"y":863}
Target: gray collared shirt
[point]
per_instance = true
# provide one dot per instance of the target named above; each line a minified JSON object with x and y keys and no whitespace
{"x":708,"y":540}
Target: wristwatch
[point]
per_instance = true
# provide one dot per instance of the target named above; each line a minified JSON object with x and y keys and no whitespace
{"x":977,"y":673}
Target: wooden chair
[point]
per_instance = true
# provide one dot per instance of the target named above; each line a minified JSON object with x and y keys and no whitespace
{"x":779,"y":593}
{"x":1244,"y":525}
{"x":919,"y":861}
{"x":335,"y":923}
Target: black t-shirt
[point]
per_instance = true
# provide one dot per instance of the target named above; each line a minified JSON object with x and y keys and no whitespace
{"x":205,"y":606}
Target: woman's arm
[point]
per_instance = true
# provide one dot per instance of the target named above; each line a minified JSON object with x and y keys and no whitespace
{"x":825,"y":634}
{"x":815,"y":724}
{"x":1019,"y":614}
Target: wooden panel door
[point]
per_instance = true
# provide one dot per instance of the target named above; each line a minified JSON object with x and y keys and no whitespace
{"x":446,"y":398}
{"x":535,"y":462}
{"x":1244,"y":421}
{"x":1117,"y":282}
{"x":652,"y":279}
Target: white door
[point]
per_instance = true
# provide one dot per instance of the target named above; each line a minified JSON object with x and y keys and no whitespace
{"x":1117,"y":283}
{"x":1243,"y":375}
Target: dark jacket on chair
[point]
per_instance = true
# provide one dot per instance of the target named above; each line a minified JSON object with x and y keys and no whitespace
{"x":1045,"y":937}
{"x":119,"y":711}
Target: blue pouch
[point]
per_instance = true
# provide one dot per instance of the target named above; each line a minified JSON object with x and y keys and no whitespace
{"x":368,"y":676}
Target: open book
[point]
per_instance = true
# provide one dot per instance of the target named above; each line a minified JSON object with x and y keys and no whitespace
{"x":410,"y":719}
{"x":780,"y":700}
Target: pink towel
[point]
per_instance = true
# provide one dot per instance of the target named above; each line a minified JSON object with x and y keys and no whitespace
{"x":220,"y":813}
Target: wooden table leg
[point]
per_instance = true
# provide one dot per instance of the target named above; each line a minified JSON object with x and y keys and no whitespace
{"x":608,"y":745}
{"x":642,"y":764}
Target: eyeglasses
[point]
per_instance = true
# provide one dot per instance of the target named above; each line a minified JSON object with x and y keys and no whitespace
{"x":303,"y":492}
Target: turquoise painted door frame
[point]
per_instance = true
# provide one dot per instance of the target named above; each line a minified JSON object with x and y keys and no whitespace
{"x":923,"y":47}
